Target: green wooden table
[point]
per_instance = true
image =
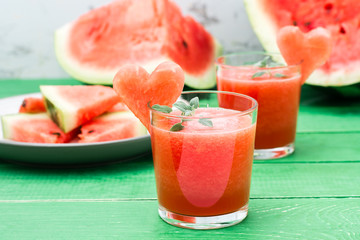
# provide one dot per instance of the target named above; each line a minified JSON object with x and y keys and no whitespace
{"x":313,"y":194}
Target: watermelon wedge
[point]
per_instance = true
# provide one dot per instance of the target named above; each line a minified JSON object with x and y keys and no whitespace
{"x":72,"y":106}
{"x":143,"y":32}
{"x":32,"y":105}
{"x":34,"y":128}
{"x":112,"y":126}
{"x":340,"y":18}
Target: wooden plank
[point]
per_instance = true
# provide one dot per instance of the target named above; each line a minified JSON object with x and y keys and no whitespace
{"x":324,"y":111}
{"x":123,"y":180}
{"x":329,"y":118}
{"x":305,"y":180}
{"x":135,"y":180}
{"x":268,"y":219}
{"x":323,"y":147}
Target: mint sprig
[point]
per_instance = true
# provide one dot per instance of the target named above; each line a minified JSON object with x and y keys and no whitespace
{"x":266,"y":62}
{"x":262,"y":63}
{"x":187,"y":109}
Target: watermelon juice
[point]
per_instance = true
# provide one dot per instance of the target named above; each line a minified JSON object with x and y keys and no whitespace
{"x":277,"y":91}
{"x":204,"y":171}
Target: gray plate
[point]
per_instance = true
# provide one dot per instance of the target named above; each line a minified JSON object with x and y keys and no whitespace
{"x":67,"y":153}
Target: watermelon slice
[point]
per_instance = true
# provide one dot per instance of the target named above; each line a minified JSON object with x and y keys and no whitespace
{"x":72,"y":106}
{"x":340,"y":18}
{"x":32,"y":105}
{"x":138,"y":89}
{"x":112,"y":126}
{"x":143,"y":32}
{"x":34,"y":128}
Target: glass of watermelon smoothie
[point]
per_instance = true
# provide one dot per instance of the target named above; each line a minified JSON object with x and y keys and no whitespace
{"x":203,"y":158}
{"x":276,"y":88}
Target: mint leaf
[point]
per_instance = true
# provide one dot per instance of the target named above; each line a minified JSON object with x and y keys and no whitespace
{"x":182,"y":106}
{"x":275,"y":64}
{"x":263,"y":63}
{"x":194,"y":103}
{"x":177,"y":127}
{"x":161,"y":108}
{"x":258,"y":74}
{"x":206,"y":122}
{"x":188,"y":109}
{"x":188,"y":113}
{"x":279,"y":75}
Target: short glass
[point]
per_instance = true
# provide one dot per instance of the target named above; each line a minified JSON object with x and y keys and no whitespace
{"x":203,"y":172}
{"x":277,"y":90}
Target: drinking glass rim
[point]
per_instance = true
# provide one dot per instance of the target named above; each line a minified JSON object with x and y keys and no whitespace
{"x":235,"y":54}
{"x":236,"y":113}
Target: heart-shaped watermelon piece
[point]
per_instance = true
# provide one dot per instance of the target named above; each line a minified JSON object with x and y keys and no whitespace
{"x":310,"y":49}
{"x":138,"y":89}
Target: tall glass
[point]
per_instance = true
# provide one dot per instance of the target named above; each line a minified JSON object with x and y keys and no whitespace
{"x":277,"y":90}
{"x":203,"y":169}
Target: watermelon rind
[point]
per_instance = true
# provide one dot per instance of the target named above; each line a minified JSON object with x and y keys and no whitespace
{"x":94,"y":75}
{"x":6,"y":126}
{"x":73,"y":67}
{"x":208,"y":79}
{"x":62,"y":112}
{"x":7,"y":122}
{"x":18,"y":127}
{"x":266,"y":31}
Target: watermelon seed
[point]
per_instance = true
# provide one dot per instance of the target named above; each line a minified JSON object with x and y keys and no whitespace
{"x":91,"y":131}
{"x":342,"y":30}
{"x":295,"y":23}
{"x":23,"y":104}
{"x":56,"y":133}
{"x":328,"y":7}
{"x":307,"y":24}
{"x":184,"y":43}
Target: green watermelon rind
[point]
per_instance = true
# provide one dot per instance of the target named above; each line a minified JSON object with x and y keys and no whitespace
{"x":75,"y":68}
{"x":208,"y":79}
{"x":266,"y":30}
{"x":6,"y":126}
{"x":10,"y":119}
{"x":62,"y":112}
{"x":87,"y":74}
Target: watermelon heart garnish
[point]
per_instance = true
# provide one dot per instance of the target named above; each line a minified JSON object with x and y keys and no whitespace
{"x":310,"y":49}
{"x":138,"y":89}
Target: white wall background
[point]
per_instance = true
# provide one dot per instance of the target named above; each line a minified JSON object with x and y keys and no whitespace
{"x":27,"y":28}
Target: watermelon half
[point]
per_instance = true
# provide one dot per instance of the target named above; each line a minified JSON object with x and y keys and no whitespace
{"x":341,"y":18}
{"x":143,"y":32}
